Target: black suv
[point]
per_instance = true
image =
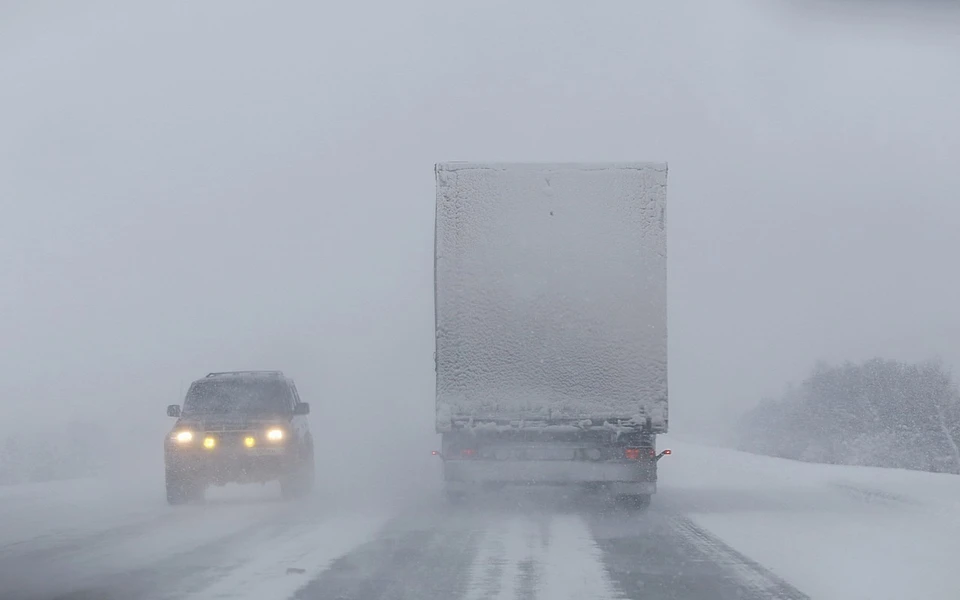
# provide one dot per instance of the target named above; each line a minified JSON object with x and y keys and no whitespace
{"x":239,"y":427}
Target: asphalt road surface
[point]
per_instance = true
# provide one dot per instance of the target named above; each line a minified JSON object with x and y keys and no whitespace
{"x":523,"y":546}
{"x":524,"y":550}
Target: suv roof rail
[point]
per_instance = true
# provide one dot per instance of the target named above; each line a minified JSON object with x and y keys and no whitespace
{"x":218,"y":374}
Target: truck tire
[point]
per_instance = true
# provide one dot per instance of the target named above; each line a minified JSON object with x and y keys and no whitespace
{"x":635,"y":501}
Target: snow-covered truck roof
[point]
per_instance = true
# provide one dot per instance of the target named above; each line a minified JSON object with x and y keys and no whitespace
{"x":551,"y":294}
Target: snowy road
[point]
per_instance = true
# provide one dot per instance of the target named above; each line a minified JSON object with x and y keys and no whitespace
{"x":564,"y":550}
{"x":248,"y":544}
{"x":90,"y":544}
{"x":724,"y":525}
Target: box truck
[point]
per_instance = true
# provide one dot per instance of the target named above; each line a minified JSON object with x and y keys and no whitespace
{"x":550,"y":288}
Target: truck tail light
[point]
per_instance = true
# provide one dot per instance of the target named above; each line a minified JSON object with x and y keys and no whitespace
{"x":638,"y":453}
{"x":468,"y":453}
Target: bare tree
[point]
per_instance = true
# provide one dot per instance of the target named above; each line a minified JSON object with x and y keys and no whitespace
{"x":880,"y":413}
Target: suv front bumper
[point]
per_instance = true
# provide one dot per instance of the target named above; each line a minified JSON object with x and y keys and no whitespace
{"x":229,"y":466}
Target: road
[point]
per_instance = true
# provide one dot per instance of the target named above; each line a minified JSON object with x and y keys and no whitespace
{"x":567,"y":549}
{"x":833,"y":532}
{"x":249,"y":544}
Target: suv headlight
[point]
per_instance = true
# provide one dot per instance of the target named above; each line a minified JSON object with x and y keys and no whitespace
{"x":183,"y":437}
{"x":275,"y":434}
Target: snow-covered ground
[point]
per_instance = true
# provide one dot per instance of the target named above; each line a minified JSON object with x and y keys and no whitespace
{"x":74,"y":536}
{"x":833,"y":532}
{"x":725,"y":525}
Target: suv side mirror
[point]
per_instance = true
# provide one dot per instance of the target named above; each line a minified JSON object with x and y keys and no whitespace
{"x":173,"y":410}
{"x":302,"y":409}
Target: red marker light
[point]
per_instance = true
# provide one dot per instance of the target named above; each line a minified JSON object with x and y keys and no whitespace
{"x":434,"y":453}
{"x":668,"y":451}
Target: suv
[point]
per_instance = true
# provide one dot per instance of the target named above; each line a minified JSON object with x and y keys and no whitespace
{"x":239,"y":427}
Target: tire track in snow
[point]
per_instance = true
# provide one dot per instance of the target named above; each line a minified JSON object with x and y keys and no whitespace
{"x":496,"y":571}
{"x":89,"y":567}
{"x":243,"y":555}
{"x":413,"y":559}
{"x":539,"y":558}
{"x":871,"y":496}
{"x":761,"y":583}
{"x":573,"y":563}
{"x":261,"y":569}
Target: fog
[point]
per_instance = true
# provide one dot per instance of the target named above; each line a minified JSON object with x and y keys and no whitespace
{"x":191,"y":187}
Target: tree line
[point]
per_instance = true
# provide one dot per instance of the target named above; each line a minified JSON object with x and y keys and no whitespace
{"x":880,"y":413}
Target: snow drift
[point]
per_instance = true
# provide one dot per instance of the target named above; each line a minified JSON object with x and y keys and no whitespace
{"x":834,"y":532}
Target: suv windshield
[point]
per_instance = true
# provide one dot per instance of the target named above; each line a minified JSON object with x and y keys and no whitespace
{"x":237,"y":396}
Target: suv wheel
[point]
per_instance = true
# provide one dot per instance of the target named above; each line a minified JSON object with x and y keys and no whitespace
{"x":299,"y":482}
{"x":181,"y":490}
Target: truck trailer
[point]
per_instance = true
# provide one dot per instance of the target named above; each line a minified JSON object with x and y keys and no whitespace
{"x":550,"y":286}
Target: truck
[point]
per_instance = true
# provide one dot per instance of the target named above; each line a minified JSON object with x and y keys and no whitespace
{"x":550,"y":284}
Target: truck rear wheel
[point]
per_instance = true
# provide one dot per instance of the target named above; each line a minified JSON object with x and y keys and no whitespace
{"x":635,"y":501}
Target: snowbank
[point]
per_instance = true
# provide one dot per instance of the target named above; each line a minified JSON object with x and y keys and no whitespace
{"x":834,"y":532}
